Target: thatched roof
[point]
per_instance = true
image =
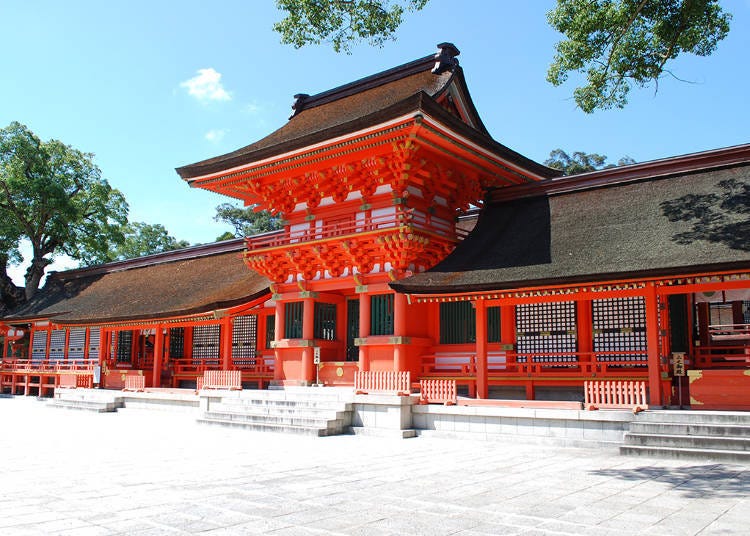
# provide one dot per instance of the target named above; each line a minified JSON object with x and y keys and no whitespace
{"x":663,"y":224}
{"x":185,"y":282}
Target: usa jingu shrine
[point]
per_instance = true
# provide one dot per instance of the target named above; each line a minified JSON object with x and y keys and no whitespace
{"x":413,"y":241}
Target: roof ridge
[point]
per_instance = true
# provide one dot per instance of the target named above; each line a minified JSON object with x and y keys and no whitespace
{"x":443,"y":60}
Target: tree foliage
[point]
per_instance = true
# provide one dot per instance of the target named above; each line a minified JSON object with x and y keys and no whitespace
{"x":342,"y":22}
{"x":580,"y":162}
{"x":246,"y":221}
{"x":615,"y":44}
{"x":145,"y":239}
{"x":618,"y":44}
{"x":53,"y":196}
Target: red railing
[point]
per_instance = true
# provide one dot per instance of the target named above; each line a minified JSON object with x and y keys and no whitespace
{"x":707,"y":357}
{"x":729,"y":332}
{"x":410,"y":217}
{"x":382,"y":381}
{"x":73,"y":365}
{"x":551,"y":364}
{"x":615,"y":395}
{"x":438,"y":392}
{"x":260,"y":365}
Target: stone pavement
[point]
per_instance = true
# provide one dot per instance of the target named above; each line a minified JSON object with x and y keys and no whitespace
{"x":147,"y":472}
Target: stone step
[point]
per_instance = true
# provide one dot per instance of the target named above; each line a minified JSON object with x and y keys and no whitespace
{"x":84,"y":405}
{"x":664,"y":428}
{"x":280,"y":428}
{"x":290,"y":420}
{"x":328,"y":413}
{"x":734,"y":456}
{"x":271,"y":403}
{"x":689,"y":441}
{"x":695,"y":417}
{"x":384,"y":432}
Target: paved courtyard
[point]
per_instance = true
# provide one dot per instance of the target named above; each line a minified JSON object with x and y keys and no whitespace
{"x":139,"y":472}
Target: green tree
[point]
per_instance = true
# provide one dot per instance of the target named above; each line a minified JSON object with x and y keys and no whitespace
{"x":342,"y":22}
{"x":615,"y":44}
{"x":54,"y":197}
{"x":580,"y":162}
{"x":145,"y":239}
{"x":246,"y":221}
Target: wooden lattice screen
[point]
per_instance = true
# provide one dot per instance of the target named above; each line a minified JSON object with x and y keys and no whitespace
{"x":57,"y":345}
{"x":244,"y":340}
{"x":39,"y":346}
{"x":546,"y":328}
{"x":176,"y":343}
{"x":206,"y":343}
{"x":619,"y":325}
{"x":76,"y":343}
{"x":94,"y":343}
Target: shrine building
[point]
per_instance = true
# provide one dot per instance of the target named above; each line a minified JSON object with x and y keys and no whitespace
{"x":640,"y":272}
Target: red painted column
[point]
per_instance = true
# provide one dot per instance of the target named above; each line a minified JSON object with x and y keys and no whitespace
{"x":225,"y":345}
{"x":652,"y":345}
{"x":308,"y":334}
{"x":585,"y":331}
{"x":481,"y":344}
{"x":158,"y":355}
{"x":399,"y":330}
{"x":278,"y":372}
{"x":364,"y":330}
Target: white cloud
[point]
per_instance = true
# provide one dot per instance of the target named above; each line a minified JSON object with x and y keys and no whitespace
{"x":252,"y":108}
{"x":215,"y":135}
{"x":206,"y":86}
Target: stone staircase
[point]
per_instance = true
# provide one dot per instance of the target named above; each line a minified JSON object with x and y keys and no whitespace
{"x":704,"y":435}
{"x":86,"y":400}
{"x":308,"y":411}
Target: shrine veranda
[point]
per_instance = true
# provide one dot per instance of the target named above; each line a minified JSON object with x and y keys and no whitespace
{"x":413,"y":241}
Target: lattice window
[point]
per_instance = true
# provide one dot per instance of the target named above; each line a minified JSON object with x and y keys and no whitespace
{"x":457,"y":322}
{"x":95,"y":338}
{"x":57,"y":345}
{"x":619,"y":325}
{"x":177,"y":343}
{"x":325,"y":321}
{"x":124,"y":346}
{"x":244,"y":339}
{"x":746,"y":311}
{"x":39,"y":346}
{"x":76,"y":343}
{"x":206,"y":343}
{"x":493,"y":324}
{"x":381,"y":314}
{"x":293,"y":313}
{"x":352,"y":329}
{"x":546,"y":328}
{"x":270,"y":330}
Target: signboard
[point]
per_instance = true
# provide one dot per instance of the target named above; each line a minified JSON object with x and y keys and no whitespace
{"x":316,"y":356}
{"x":678,"y":363}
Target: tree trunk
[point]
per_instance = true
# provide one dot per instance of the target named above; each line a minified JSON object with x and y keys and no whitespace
{"x":34,"y":275}
{"x":11,"y":295}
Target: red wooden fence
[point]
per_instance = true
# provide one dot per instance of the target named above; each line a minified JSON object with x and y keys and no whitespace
{"x":438,"y":392}
{"x":615,"y":395}
{"x":383,"y":381}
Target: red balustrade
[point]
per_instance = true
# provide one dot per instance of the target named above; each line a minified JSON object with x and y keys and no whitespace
{"x":382,"y":381}
{"x":438,"y":392}
{"x":615,"y":395}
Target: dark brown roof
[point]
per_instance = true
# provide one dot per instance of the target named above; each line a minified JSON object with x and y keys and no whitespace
{"x":673,"y":224}
{"x":165,"y":285}
{"x":408,"y":88}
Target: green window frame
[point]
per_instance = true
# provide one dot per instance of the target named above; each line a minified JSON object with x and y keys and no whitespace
{"x":325,"y":321}
{"x":381,"y":314}
{"x":270,"y":330}
{"x":493,"y":324}
{"x":293,"y":314}
{"x":458,"y":322}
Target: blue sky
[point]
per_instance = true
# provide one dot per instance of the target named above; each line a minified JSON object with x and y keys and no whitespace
{"x":113,"y":78}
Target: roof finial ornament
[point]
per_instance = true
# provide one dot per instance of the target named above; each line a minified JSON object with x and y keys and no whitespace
{"x":299,"y":103}
{"x":445,"y":58}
